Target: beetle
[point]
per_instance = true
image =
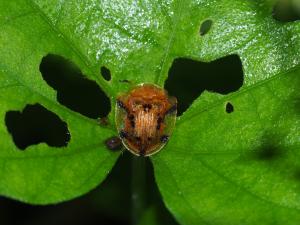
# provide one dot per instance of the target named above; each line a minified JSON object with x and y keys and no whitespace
{"x":145,"y":118}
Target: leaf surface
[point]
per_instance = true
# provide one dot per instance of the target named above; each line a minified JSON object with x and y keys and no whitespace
{"x":240,"y":167}
{"x":218,"y":168}
{"x":42,"y":174}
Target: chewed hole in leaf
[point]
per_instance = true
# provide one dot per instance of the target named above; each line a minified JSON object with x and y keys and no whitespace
{"x":74,"y":90}
{"x":189,"y":78}
{"x":35,"y":124}
{"x":105,"y":72}
{"x":205,"y":27}
{"x":229,"y":107}
{"x":287,"y":11}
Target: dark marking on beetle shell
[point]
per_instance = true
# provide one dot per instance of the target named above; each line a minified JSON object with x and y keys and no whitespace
{"x":123,"y":134}
{"x":147,"y":107}
{"x":137,"y":138}
{"x":159,"y":121}
{"x":132,"y":123}
{"x":131,"y":117}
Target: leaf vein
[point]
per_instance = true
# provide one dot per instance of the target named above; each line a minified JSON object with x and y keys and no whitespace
{"x":81,"y":56}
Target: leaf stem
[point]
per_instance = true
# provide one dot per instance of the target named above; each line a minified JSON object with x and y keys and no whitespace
{"x":138,"y":184}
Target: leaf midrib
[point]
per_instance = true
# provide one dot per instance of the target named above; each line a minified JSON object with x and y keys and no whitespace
{"x":176,"y":18}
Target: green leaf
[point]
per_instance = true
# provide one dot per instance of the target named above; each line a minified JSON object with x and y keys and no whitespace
{"x":240,"y":167}
{"x":237,"y":168}
{"x":43,"y":174}
{"x":218,"y":168}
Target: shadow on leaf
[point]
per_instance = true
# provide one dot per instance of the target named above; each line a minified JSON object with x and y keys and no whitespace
{"x":297,"y":174}
{"x":270,"y":148}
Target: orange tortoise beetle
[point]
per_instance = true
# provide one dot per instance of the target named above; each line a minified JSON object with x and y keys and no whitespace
{"x":145,"y":118}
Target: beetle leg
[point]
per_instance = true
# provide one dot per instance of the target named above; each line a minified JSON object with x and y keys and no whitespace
{"x":123,"y":134}
{"x":121,"y":105}
{"x":142,"y":151}
{"x":172,"y":109}
{"x":164,"y":138}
